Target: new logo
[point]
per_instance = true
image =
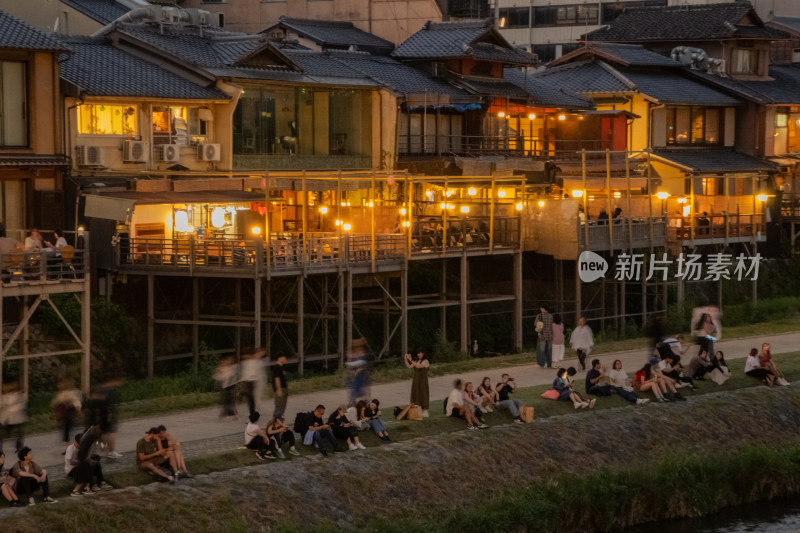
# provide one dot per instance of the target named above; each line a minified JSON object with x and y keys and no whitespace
{"x":591,"y":266}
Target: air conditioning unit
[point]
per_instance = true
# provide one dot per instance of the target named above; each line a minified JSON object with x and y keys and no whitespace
{"x":209,"y":19}
{"x":208,"y":152}
{"x":134,"y":152}
{"x":169,"y":152}
{"x":89,"y":156}
{"x":171,"y":15}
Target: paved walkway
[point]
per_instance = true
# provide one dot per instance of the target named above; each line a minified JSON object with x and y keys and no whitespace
{"x":201,"y":431}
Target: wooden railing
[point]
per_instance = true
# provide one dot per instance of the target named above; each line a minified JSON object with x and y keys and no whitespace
{"x":43,"y":266}
{"x":622,"y":233}
{"x":734,"y":226}
{"x":469,"y":233}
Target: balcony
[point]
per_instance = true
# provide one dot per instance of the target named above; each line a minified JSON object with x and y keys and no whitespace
{"x":626,"y":234}
{"x":43,"y":272}
{"x":467,"y":235}
{"x":717,"y":229}
{"x":499,"y":145}
{"x":289,"y":161}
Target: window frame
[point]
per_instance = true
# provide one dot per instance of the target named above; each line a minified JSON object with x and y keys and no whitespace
{"x":692,"y":111}
{"x":136,"y":113}
{"x":26,"y":109}
{"x":754,"y":60}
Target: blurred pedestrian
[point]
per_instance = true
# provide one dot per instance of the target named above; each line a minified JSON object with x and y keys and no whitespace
{"x":102,"y":411}
{"x":558,"y":340}
{"x":227,"y":375}
{"x":706,"y":326}
{"x":252,"y":376}
{"x":358,"y":368}
{"x":66,"y":406}
{"x":13,"y":414}
{"x":279,"y":386}
{"x":581,"y":341}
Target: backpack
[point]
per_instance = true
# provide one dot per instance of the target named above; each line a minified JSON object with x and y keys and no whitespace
{"x":299,"y":423}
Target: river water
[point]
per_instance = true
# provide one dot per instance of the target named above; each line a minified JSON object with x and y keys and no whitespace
{"x":780,"y":516}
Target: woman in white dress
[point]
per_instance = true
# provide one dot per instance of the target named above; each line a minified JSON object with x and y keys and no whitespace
{"x":581,"y":341}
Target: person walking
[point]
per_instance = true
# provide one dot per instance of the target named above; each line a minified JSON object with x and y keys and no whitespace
{"x":420,"y":391}
{"x":544,"y":344}
{"x":581,"y":341}
{"x":558,"y":341}
{"x":279,"y":386}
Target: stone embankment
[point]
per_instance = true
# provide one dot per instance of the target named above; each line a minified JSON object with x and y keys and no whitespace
{"x":467,"y":468}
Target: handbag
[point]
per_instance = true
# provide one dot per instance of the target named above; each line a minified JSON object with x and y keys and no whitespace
{"x":539,"y":326}
{"x":550,"y":394}
{"x":415,"y":412}
{"x":526,"y":414}
{"x":403,"y":412}
{"x":718,"y":377}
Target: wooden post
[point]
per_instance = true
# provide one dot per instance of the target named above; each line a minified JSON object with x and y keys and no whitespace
{"x":150,"y":326}
{"x":195,"y":327}
{"x":349,"y":310}
{"x":443,"y":297}
{"x":3,"y":343}
{"x":371,"y":207}
{"x":491,"y":218}
{"x":86,"y":331}
{"x":444,"y":219}
{"x":608,"y":204}
{"x":24,"y":342}
{"x":409,"y":213}
{"x":257,"y":319}
{"x":518,"y":300}
{"x":300,"y":323}
{"x":305,"y":226}
{"x":465,"y":344}
{"x":237,"y":298}
{"x":404,"y":308}
{"x":585,"y":200}
{"x":340,"y":322}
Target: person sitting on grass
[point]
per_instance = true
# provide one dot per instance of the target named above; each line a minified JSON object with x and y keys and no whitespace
{"x":455,"y":406}
{"x":766,"y":361}
{"x":565,"y":392}
{"x":30,"y":476}
{"x":371,"y":414}
{"x":489,"y":396}
{"x":7,"y":482}
{"x":472,"y":402}
{"x":719,"y":373}
{"x":169,"y":443}
{"x":753,"y":368}
{"x":646,"y":379}
{"x":281,"y":434}
{"x":671,"y":368}
{"x":257,"y":439}
{"x":86,"y":472}
{"x":507,"y":386}
{"x":621,"y":384}
{"x":150,"y":459}
{"x":593,"y":377}
{"x":343,"y":429}
{"x":318,"y":432}
{"x":699,"y":366}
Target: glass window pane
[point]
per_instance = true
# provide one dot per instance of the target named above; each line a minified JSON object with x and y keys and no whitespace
{"x":13,"y":123}
{"x":682,"y":122}
{"x":712,"y":134}
{"x":697,"y":125}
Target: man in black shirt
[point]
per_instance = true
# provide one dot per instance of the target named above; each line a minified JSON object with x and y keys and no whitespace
{"x":506,"y":386}
{"x":321,"y":433}
{"x":279,"y":386}
{"x":593,"y":377}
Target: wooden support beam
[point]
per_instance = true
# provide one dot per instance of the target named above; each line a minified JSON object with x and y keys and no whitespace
{"x":404,"y":309}
{"x":151,"y":337}
{"x":300,"y":322}
{"x":464,"y":284}
{"x":518,"y":298}
{"x":196,"y":326}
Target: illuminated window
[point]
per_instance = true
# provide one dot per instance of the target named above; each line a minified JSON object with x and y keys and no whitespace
{"x":102,"y":119}
{"x":694,"y":125}
{"x":178,"y":125}
{"x":744,"y":61}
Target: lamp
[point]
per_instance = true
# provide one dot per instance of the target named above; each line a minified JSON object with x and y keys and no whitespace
{"x":501,"y":114}
{"x":182,"y":221}
{"x":577,"y":193}
{"x":562,"y":117}
{"x":346,"y":227}
{"x":323,"y":210}
{"x":519,"y":206}
{"x":471,"y":191}
{"x":256,"y":230}
{"x":762,"y":197}
{"x":662,"y":195}
{"x":465,"y":209}
{"x":531,"y":116}
{"x":541,"y":203}
{"x":501,"y":193}
{"x":617,"y":194}
{"x":403,"y":211}
{"x":218,"y":217}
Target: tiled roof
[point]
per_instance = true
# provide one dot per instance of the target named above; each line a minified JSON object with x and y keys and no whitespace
{"x":543,"y":93}
{"x":629,"y":55}
{"x":337,"y":34}
{"x":33,"y":160}
{"x":96,"y":66}
{"x":783,"y":89}
{"x":714,"y":161}
{"x":685,"y":22}
{"x":490,"y":87}
{"x":103,"y":11}
{"x":669,"y":87}
{"x":789,"y":24}
{"x":585,"y":77}
{"x":398,"y":76}
{"x":325,"y":68}
{"x":16,"y":34}
{"x":440,"y":40}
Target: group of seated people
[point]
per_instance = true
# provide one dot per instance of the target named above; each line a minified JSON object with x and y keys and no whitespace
{"x":23,"y":479}
{"x":471,"y":404}
{"x":159,"y":454}
{"x":762,"y":366}
{"x":269,"y":443}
